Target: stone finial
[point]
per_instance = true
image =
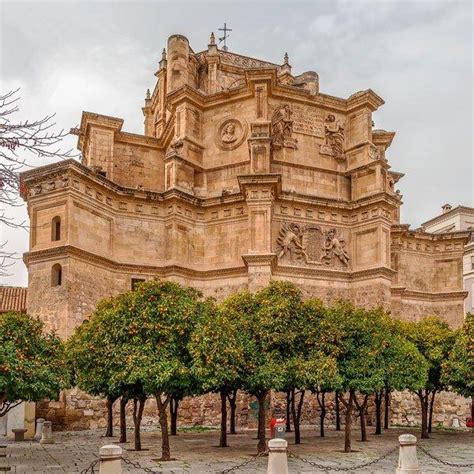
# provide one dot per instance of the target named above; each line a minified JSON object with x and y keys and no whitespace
{"x":163,"y":61}
{"x":148,"y":95}
{"x":285,"y":59}
{"x":212,"y":39}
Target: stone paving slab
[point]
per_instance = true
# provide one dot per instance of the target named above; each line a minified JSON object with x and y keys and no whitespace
{"x":198,"y":452}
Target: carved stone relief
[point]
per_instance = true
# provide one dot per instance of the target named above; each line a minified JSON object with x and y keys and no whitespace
{"x":309,"y":245}
{"x":333,"y":139}
{"x":282,"y":128}
{"x":230,"y":134}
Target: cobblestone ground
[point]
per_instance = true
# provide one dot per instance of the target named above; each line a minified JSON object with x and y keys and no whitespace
{"x":73,"y":452}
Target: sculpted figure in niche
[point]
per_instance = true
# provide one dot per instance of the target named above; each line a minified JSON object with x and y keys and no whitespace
{"x":290,"y":242}
{"x":282,"y":127}
{"x":334,"y":246}
{"x":228,"y":133}
{"x":334,"y":138}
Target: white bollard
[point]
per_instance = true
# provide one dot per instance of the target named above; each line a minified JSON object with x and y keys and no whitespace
{"x":47,"y":434}
{"x":110,"y":459}
{"x":407,"y":460}
{"x":277,"y":456}
{"x":39,"y":428}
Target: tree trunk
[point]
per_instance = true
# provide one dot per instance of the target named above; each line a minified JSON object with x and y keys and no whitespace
{"x":424,"y":413}
{"x":338,"y":412}
{"x":174,"y":403}
{"x":232,"y":397}
{"x":386,"y":423}
{"x":348,"y":424}
{"x":296,"y":413}
{"x":223,"y":438}
{"x":138,"y":406}
{"x":262,"y":445}
{"x":163,"y":415}
{"x":322,"y":404}
{"x":288,"y":411}
{"x":362,"y":407}
{"x":109,"y":432}
{"x":430,"y":420}
{"x":378,"y":412}
{"x":123,"y":420}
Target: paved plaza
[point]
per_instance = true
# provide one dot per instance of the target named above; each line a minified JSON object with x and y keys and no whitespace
{"x":198,"y":452}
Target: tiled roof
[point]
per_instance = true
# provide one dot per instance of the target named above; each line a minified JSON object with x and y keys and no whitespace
{"x":12,"y":298}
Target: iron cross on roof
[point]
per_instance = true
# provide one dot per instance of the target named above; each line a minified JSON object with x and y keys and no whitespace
{"x":224,"y":38}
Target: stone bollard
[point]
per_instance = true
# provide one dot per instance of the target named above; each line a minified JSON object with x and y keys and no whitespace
{"x":277,"y":456}
{"x":39,"y":428}
{"x":110,"y":459}
{"x":47,"y":434}
{"x":407,"y":460}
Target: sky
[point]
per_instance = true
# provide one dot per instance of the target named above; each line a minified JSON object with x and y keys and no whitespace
{"x":100,"y":56}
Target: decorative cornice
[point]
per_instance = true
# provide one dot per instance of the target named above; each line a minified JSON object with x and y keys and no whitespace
{"x":67,"y":251}
{"x":268,"y":259}
{"x":447,"y":215}
{"x":403,"y":292}
{"x":340,"y":275}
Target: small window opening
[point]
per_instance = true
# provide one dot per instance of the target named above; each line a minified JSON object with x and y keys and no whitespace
{"x":56,"y":275}
{"x":56,"y":229}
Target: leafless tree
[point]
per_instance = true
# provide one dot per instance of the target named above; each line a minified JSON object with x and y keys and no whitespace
{"x":20,"y":141}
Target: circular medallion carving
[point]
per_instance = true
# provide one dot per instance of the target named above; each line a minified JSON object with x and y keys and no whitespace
{"x":230,"y":133}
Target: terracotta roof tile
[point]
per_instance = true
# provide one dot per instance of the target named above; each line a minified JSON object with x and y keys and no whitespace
{"x":12,"y":298}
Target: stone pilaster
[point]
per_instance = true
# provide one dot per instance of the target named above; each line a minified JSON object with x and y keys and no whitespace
{"x":260,"y":191}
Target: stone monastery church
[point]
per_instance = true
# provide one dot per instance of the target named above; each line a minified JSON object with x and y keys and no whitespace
{"x":245,"y":173}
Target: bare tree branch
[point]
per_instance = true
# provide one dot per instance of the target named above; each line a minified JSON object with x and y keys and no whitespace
{"x":20,"y":141}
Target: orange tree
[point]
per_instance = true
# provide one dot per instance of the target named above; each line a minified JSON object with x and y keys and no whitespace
{"x":32,"y":364}
{"x":218,"y":350}
{"x":458,"y":369}
{"x":93,"y":354}
{"x":152,"y":335}
{"x":434,"y":339}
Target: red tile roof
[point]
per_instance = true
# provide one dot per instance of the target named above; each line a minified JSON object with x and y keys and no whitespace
{"x":12,"y":298}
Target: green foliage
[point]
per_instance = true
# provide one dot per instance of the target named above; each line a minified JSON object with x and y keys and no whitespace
{"x":32,"y":365}
{"x":458,"y":369}
{"x":434,"y":339}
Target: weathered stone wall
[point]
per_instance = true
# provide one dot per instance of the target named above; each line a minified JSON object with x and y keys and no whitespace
{"x":75,"y":410}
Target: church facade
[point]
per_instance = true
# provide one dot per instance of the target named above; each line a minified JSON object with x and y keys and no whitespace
{"x":245,"y":173}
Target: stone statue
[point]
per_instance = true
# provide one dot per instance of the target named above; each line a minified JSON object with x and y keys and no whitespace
{"x":290,"y":242}
{"x":282,"y":127}
{"x":334,"y":138}
{"x":334,"y":246}
{"x":228,"y":133}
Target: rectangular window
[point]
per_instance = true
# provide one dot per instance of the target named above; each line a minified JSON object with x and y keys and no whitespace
{"x":136,"y":282}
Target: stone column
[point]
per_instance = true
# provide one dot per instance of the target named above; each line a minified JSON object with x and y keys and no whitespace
{"x":39,"y":428}
{"x":47,"y":435}
{"x":110,"y":459}
{"x":407,"y":460}
{"x":277,"y":456}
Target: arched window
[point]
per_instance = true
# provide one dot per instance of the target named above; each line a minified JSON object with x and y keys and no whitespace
{"x":56,"y":275}
{"x":56,"y":229}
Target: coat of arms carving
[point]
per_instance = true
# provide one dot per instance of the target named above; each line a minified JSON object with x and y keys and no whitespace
{"x":310,"y":245}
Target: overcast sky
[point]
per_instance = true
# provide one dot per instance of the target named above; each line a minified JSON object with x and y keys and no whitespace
{"x":417,"y":55}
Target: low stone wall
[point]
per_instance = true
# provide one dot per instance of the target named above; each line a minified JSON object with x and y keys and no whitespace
{"x":75,"y":410}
